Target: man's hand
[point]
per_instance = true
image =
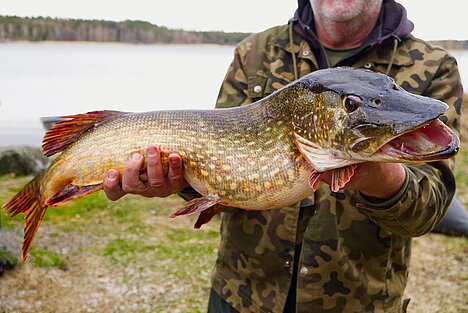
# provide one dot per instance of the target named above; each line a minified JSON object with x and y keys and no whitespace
{"x":158,"y":184}
{"x":375,"y":180}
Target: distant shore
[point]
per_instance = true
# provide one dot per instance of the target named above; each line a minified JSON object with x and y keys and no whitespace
{"x":104,"y":43}
{"x":39,"y":29}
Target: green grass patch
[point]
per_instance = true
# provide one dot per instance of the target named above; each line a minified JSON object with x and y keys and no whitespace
{"x":7,"y":222}
{"x":78,"y":208}
{"x":47,"y":259}
{"x":123,"y":251}
{"x":8,"y":257}
{"x":54,"y":234}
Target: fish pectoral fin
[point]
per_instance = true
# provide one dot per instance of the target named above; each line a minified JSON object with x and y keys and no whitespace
{"x":341,"y":176}
{"x":314,"y":179}
{"x":207,"y":215}
{"x":197,"y":205}
{"x":71,"y":191}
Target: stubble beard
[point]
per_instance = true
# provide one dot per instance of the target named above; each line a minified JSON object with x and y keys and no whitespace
{"x":344,"y":17}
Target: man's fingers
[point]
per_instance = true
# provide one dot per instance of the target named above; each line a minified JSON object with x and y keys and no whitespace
{"x":131,"y":182}
{"x":175,"y":175}
{"x":155,"y":171}
{"x":158,"y":184}
{"x":112,"y":187}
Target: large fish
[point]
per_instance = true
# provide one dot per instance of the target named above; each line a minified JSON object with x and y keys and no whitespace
{"x":262,"y":156}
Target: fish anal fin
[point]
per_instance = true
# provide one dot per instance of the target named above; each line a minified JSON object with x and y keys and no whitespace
{"x":207,"y":215}
{"x":341,"y":176}
{"x":71,"y":191}
{"x":65,"y":132}
{"x":197,"y":205}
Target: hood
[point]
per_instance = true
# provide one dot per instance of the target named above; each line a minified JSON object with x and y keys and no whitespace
{"x":392,"y":23}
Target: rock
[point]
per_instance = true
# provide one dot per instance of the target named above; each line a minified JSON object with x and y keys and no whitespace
{"x":22,"y":161}
{"x":7,"y":261}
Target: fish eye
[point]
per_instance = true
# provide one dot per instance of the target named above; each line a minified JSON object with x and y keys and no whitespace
{"x":394,"y":86}
{"x":352,"y":103}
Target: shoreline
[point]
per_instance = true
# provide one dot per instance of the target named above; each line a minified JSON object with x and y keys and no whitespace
{"x":117,"y":43}
{"x":109,"y":43}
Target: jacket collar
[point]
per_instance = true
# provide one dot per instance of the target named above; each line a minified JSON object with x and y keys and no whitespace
{"x":392,"y":24}
{"x":379,"y":54}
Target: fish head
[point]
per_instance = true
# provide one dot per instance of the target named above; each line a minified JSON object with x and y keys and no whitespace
{"x":353,"y":115}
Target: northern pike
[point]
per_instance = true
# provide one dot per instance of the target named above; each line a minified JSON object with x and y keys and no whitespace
{"x":262,"y":156}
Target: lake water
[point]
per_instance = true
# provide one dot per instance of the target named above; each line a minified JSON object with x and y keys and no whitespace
{"x":49,"y":79}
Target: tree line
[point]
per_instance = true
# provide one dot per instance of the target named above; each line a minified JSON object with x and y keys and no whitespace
{"x":452,"y":44}
{"x":14,"y":28}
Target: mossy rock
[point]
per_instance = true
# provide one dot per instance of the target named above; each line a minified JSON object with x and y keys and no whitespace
{"x":7,"y":261}
{"x":22,"y":161}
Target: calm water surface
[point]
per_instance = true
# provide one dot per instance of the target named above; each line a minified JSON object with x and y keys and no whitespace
{"x":48,"y":79}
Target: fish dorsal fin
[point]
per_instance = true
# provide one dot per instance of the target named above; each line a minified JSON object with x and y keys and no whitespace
{"x":63,"y":133}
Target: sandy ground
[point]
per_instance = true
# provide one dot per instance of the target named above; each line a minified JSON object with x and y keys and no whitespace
{"x":438,"y":279}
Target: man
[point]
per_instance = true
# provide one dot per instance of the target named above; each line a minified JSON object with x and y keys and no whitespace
{"x":334,"y":252}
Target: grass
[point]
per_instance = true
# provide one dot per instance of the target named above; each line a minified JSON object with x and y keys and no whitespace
{"x":47,"y":259}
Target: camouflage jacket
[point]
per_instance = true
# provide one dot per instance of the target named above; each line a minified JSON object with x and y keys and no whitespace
{"x":355,"y":253}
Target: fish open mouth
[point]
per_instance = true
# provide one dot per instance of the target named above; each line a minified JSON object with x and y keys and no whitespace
{"x":431,"y":142}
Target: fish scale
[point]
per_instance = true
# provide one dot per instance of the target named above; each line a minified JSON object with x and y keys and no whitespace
{"x":262,"y":156}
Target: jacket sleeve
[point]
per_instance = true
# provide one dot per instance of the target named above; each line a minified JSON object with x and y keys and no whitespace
{"x":429,"y":188}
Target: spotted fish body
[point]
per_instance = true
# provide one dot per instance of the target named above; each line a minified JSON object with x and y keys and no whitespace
{"x":242,"y":155}
{"x":262,"y":156}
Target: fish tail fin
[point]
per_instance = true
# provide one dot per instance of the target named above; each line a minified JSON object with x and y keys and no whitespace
{"x":30,"y":202}
{"x":67,"y":131}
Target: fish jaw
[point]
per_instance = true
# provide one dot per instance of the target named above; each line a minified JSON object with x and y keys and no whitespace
{"x":430,"y":142}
